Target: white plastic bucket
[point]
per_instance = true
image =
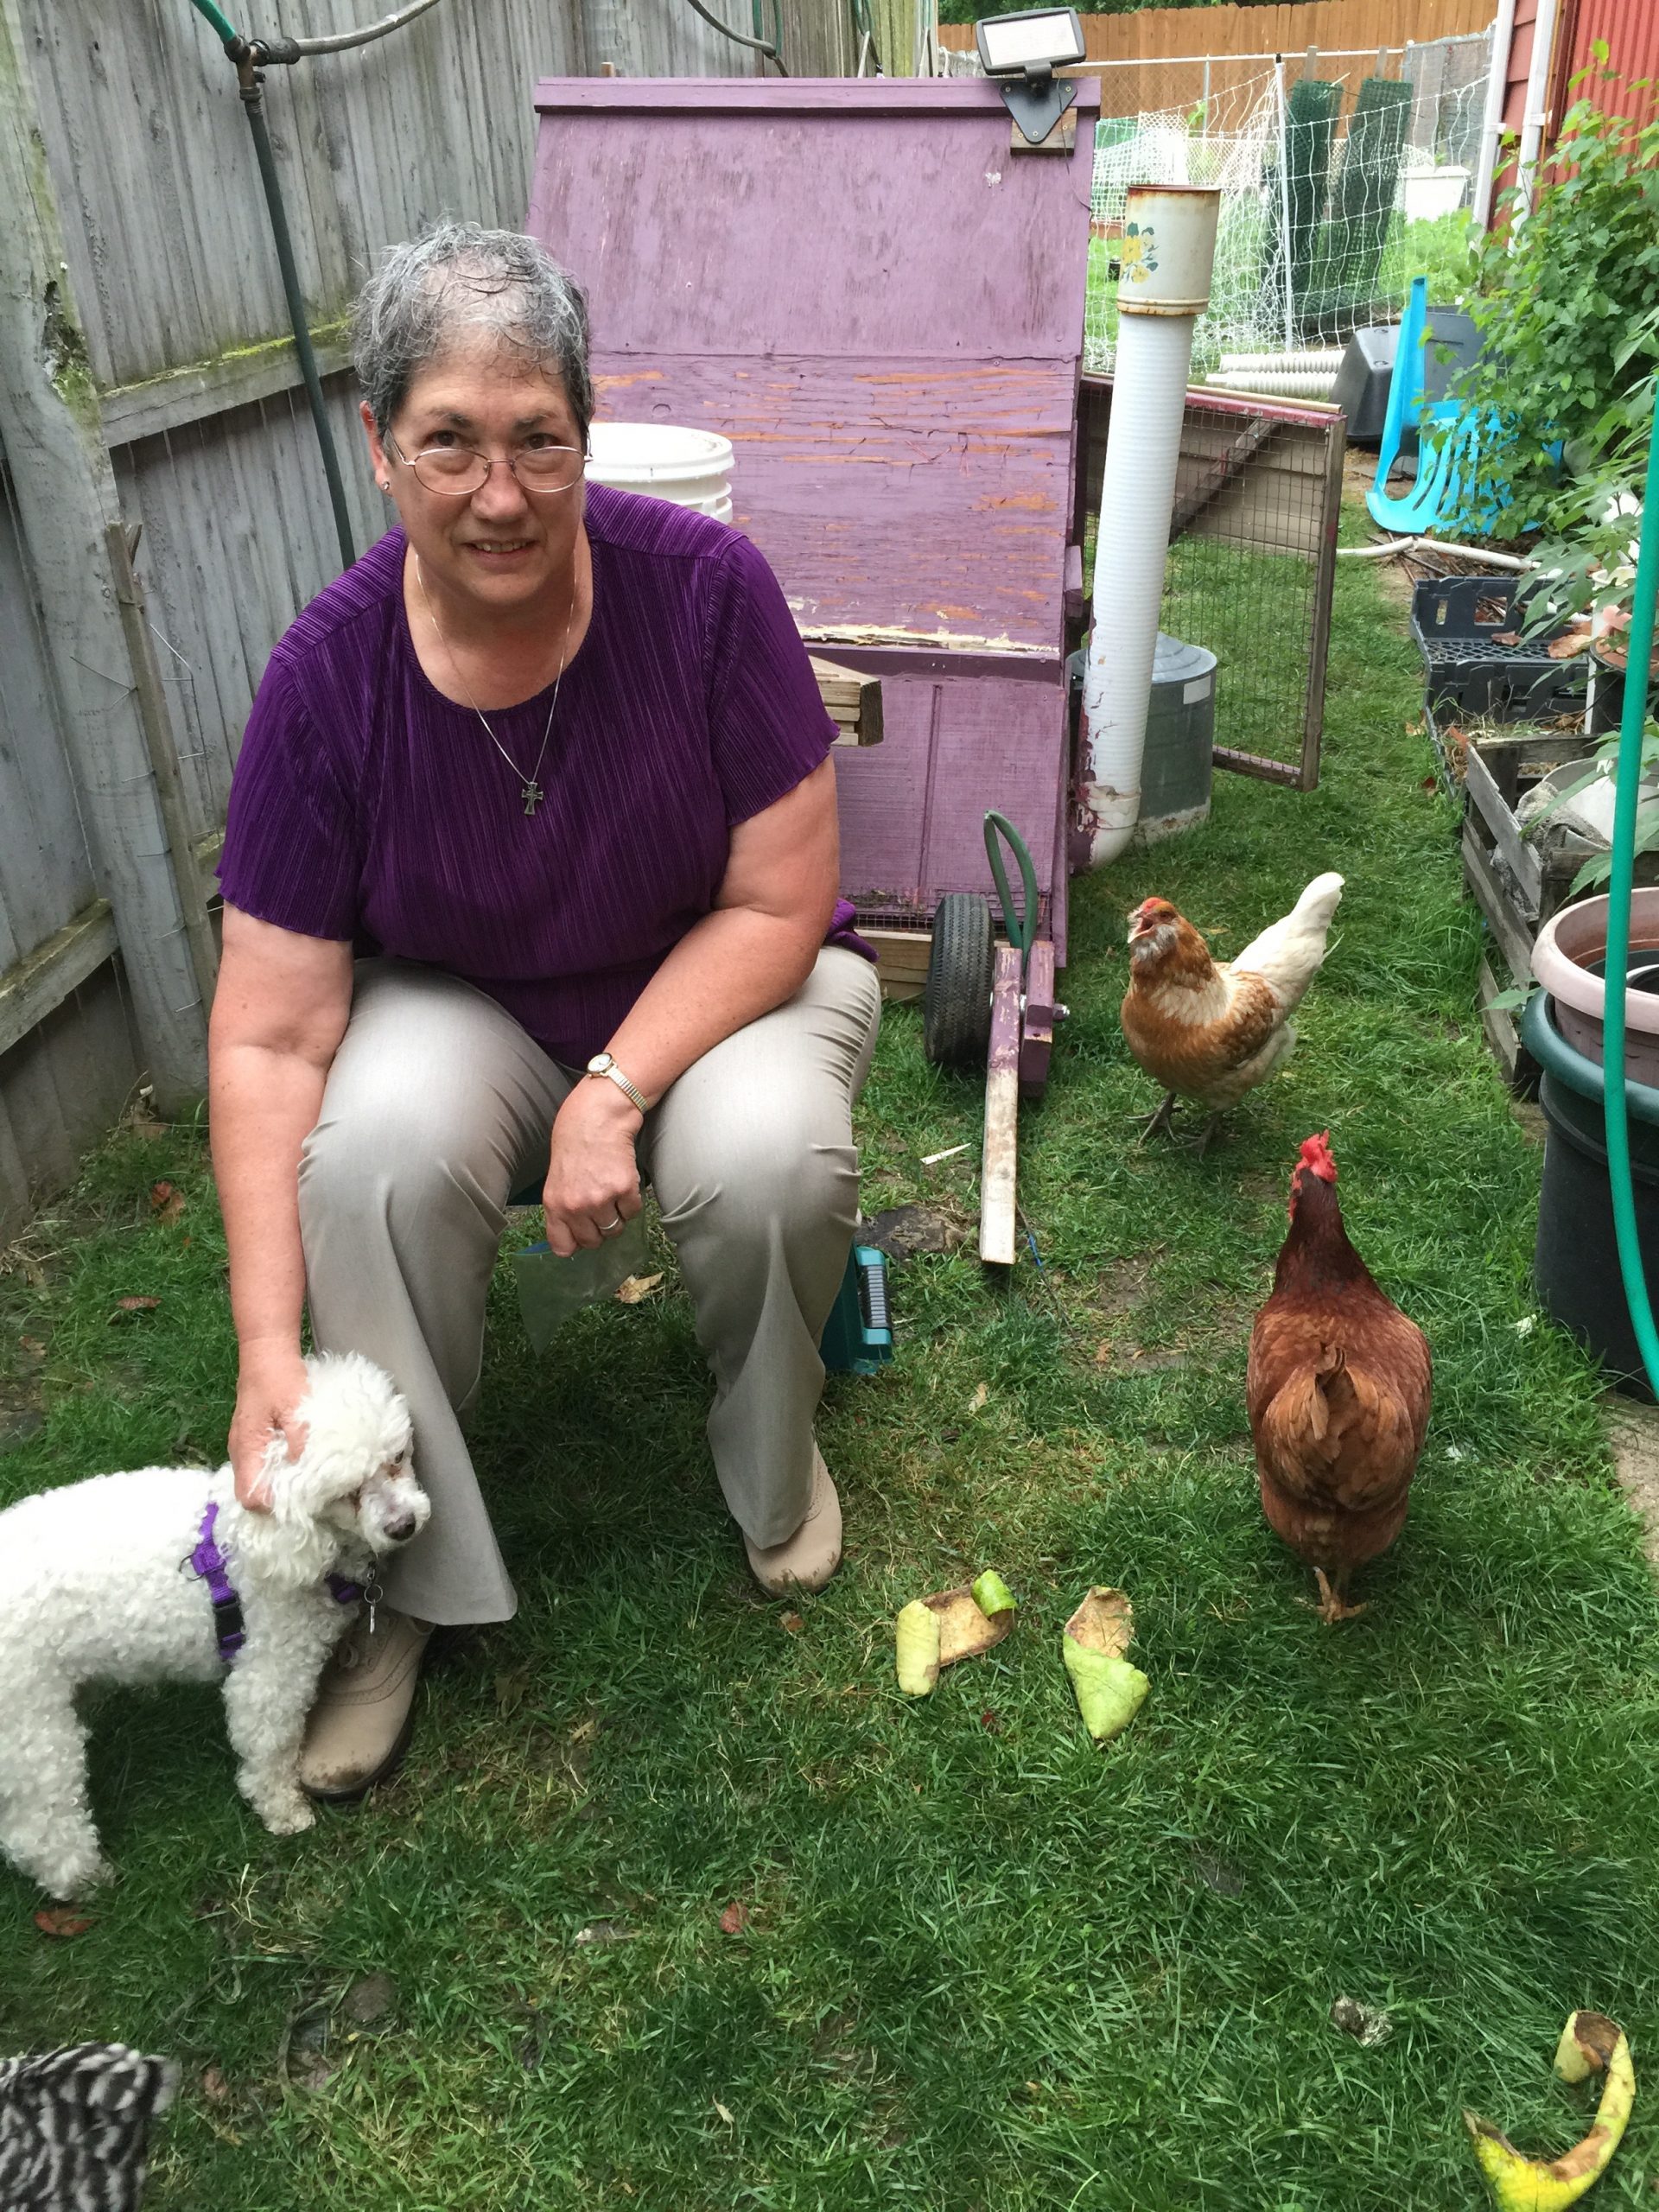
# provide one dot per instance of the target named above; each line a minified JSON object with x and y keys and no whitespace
{"x":691,"y":467}
{"x":1428,"y":193}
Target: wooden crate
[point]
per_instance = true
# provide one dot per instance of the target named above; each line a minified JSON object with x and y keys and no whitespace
{"x":901,"y":958}
{"x":852,"y":701}
{"x":1518,"y":881}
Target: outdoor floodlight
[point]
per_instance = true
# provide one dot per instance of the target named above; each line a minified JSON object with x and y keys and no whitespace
{"x":1021,"y":53}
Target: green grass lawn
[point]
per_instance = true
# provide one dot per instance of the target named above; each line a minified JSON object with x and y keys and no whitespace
{"x":981,"y":1966}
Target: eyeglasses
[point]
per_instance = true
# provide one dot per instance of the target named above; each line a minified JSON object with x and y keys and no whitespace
{"x":462,"y":470}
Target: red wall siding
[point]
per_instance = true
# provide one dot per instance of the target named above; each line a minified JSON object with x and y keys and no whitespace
{"x":1515,"y":87}
{"x":1630,"y":28}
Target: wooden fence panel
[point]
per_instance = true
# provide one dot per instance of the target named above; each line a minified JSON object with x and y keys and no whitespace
{"x":819,"y":42}
{"x":169,"y":249}
{"x":46,"y":877}
{"x":64,"y":1080}
{"x":237,"y":537}
{"x":1141,"y":60}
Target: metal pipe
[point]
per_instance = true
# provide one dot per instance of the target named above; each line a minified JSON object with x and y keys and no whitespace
{"x":1535,"y":115}
{"x":250,"y":56}
{"x":341,"y":41}
{"x":251,"y":91}
{"x":1491,"y":124}
{"x":1284,"y":203}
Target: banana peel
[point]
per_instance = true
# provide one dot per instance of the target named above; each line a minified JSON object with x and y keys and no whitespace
{"x":992,"y":1594}
{"x":952,"y":1624}
{"x":1590,"y":2043}
{"x":1109,"y":1690}
{"x":916,"y":1647}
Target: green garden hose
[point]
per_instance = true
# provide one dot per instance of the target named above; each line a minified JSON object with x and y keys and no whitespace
{"x":1021,"y":927}
{"x":222,"y":28}
{"x":1616,"y":974}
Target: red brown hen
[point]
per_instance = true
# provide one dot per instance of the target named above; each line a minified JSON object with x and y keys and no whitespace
{"x":1338,"y":1391}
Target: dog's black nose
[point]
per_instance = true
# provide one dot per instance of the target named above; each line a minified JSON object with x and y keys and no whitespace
{"x":400,"y":1530}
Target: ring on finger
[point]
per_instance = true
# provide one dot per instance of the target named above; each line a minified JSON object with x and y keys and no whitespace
{"x":610,"y":1228}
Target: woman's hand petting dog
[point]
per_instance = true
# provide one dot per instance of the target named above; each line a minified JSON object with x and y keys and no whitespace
{"x":271,"y":1382}
{"x":592,"y":1177}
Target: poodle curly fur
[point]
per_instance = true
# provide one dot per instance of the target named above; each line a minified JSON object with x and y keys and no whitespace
{"x":96,"y":1586}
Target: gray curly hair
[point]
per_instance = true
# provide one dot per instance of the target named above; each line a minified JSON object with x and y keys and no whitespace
{"x":461,"y":278}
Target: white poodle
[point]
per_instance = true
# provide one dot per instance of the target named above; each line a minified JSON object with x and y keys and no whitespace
{"x":160,"y":1575}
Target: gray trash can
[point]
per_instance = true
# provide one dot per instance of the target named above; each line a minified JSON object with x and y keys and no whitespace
{"x":1175,"y":775}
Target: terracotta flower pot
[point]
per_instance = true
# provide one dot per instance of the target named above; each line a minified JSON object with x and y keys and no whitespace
{"x":1568,"y":959}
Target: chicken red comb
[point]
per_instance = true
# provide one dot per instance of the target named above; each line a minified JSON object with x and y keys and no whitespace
{"x":1317,"y":1154}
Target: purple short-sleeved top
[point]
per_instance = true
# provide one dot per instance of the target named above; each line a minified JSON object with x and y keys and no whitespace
{"x":366,"y":806}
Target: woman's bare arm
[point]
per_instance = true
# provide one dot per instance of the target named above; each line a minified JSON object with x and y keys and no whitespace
{"x":751,"y":953}
{"x":279,"y":1013}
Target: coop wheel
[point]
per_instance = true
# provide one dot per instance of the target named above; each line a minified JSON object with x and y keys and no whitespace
{"x":956,"y":1003}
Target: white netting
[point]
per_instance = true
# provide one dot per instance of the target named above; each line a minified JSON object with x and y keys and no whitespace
{"x":1332,"y":185}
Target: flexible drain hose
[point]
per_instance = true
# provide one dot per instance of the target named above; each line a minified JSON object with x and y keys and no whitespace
{"x":1619,"y":919}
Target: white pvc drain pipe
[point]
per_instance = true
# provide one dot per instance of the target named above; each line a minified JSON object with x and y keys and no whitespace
{"x":1274,"y":383}
{"x":1161,"y":295}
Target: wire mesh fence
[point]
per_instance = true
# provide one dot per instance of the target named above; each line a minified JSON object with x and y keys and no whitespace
{"x":1325,"y":172}
{"x":1251,"y":565}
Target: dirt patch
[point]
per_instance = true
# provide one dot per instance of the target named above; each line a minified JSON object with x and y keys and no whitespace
{"x":903,"y":1231}
{"x":1131,"y":1359}
{"x":1633,"y":1434}
{"x":1122,"y":1287}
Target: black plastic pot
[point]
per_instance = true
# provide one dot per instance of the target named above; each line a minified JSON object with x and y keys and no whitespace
{"x":1575,"y":1263}
{"x":1609,"y":708}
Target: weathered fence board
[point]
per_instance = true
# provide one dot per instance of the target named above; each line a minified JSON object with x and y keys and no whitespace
{"x":171,"y":256}
{"x":193,"y":425}
{"x":45,"y":875}
{"x":1142,"y":59}
{"x":65,"y":500}
{"x":237,"y":537}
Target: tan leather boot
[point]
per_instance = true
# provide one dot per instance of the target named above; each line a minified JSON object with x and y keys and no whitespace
{"x":365,"y":1712}
{"x":808,"y":1559}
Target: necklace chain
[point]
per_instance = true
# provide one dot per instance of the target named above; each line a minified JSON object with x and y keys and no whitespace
{"x":530,"y":790}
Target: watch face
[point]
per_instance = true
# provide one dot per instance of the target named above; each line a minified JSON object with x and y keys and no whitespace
{"x":598,"y":1064}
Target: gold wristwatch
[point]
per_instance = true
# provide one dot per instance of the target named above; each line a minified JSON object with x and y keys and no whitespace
{"x":602,"y":1063}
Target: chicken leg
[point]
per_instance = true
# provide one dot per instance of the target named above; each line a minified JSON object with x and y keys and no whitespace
{"x":1161,"y":1123}
{"x":1333,"y":1605}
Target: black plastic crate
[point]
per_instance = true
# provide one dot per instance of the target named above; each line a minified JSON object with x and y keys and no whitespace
{"x":1459,"y":622}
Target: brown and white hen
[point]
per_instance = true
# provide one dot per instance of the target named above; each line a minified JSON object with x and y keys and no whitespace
{"x":1211,"y":1030}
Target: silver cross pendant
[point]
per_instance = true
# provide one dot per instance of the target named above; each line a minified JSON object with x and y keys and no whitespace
{"x":533,"y":795}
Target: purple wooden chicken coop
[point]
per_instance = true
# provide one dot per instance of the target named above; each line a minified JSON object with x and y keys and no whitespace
{"x":881,"y":304}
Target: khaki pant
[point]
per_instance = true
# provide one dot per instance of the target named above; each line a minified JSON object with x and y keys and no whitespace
{"x":438,"y":1108}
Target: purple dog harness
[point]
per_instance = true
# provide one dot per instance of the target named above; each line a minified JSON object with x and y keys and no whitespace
{"x":208,"y":1561}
